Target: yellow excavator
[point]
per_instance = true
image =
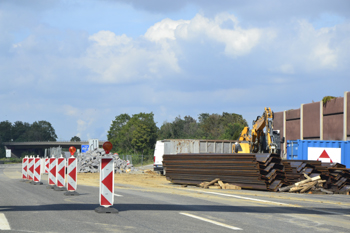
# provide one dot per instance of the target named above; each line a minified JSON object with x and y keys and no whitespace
{"x":257,"y":140}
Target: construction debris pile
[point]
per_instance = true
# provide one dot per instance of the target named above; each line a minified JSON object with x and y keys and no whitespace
{"x":257,"y":171}
{"x":308,"y":185}
{"x":218,"y":184}
{"x":89,"y":162}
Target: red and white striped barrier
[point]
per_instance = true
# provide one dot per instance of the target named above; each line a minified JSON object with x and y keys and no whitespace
{"x":47,"y":165}
{"x":25,"y":168}
{"x":30,"y":171}
{"x":52,"y":172}
{"x":107,"y":182}
{"x":37,"y":171}
{"x":61,"y":174}
{"x":72,"y":174}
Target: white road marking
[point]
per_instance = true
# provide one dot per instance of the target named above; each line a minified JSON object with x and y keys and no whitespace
{"x":4,"y":224}
{"x":246,"y":198}
{"x":212,"y":221}
{"x":118,"y":195}
{"x":272,"y":202}
{"x":329,"y":212}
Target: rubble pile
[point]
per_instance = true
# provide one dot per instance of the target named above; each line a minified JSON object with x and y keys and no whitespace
{"x":89,"y":162}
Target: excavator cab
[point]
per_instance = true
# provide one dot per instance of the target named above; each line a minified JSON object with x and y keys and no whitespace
{"x":242,"y":147}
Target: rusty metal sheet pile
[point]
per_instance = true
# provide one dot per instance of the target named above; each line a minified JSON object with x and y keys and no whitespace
{"x":252,"y":171}
{"x":336,"y":175}
{"x":248,"y":171}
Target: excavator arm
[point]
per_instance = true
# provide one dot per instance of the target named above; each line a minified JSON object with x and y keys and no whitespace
{"x":259,"y":141}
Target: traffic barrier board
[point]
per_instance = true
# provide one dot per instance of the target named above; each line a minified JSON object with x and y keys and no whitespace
{"x":52,"y":173}
{"x":37,"y":171}
{"x":25,"y":168}
{"x":47,"y":165}
{"x":106,"y":182}
{"x":72,"y":174}
{"x":61,"y":172}
{"x":30,"y":168}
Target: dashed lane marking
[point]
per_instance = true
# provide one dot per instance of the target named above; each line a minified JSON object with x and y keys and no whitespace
{"x":212,"y":221}
{"x":118,"y":195}
{"x":4,"y":224}
{"x":245,"y":198}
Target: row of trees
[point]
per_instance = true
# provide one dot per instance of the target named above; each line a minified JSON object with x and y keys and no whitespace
{"x":138,"y":133}
{"x":23,"y":132}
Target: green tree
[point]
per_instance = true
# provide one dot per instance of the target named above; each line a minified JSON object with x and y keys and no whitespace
{"x":5,"y":136}
{"x":117,"y":133}
{"x":232,"y":131}
{"x":141,"y":137}
{"x":209,"y":126}
{"x":143,"y":123}
{"x":75,"y":139}
{"x":42,"y":131}
{"x":20,"y":131}
{"x":5,"y":131}
{"x":136,"y":134}
{"x":166,"y":131}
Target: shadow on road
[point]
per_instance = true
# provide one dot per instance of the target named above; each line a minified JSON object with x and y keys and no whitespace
{"x":165,"y":207}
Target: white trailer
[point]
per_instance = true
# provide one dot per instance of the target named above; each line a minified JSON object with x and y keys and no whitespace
{"x":175,"y":146}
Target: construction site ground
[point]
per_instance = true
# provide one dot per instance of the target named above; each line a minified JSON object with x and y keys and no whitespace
{"x":150,"y":198}
{"x":154,"y":182}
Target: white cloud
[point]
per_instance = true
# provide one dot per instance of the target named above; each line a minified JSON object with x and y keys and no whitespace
{"x":119,"y":59}
{"x":320,"y":54}
{"x":70,"y":110}
{"x":107,"y":38}
{"x":164,"y":29}
{"x":237,"y":41}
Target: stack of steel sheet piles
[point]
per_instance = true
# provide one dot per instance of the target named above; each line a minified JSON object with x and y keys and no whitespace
{"x":290,"y":169}
{"x":237,"y":169}
{"x":271,"y":170}
{"x":339,"y":178}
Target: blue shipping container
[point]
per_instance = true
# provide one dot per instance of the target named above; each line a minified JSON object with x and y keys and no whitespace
{"x":325,"y":151}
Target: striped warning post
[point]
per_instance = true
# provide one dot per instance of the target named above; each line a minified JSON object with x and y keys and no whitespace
{"x":37,"y":171}
{"x":72,"y":174}
{"x":25,"y":168}
{"x":107,"y":182}
{"x":72,"y":177}
{"x":52,"y":173}
{"x":30,"y":171}
{"x":47,"y":165}
{"x":61,"y":172}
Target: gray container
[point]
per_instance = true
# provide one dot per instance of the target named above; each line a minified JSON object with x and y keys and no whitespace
{"x":176,"y":146}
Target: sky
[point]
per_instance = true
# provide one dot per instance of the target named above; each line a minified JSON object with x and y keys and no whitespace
{"x":80,"y":63}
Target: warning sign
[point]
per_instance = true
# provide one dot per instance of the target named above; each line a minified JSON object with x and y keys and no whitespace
{"x":326,"y":155}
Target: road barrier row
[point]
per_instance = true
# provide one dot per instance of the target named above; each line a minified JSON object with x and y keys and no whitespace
{"x":56,"y":169}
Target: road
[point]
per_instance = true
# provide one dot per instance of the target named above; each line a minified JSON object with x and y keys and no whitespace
{"x":34,"y":208}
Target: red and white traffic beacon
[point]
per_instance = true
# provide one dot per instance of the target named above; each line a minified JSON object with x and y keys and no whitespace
{"x":47,"y":164}
{"x":106,"y":182}
{"x":60,"y":175}
{"x":52,"y":173}
{"x":72,"y":174}
{"x":37,"y":171}
{"x":30,"y":171}
{"x":25,"y":168}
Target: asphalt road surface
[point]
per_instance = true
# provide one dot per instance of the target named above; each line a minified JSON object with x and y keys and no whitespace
{"x":34,"y":208}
